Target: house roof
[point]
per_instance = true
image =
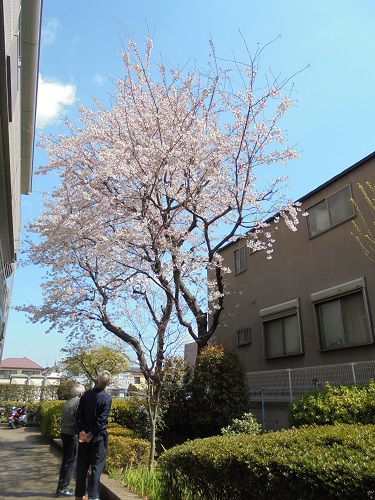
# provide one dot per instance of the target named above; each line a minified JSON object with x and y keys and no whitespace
{"x":20,"y":363}
{"x":359,"y":163}
{"x":341,"y":174}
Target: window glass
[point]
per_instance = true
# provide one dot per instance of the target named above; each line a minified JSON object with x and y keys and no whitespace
{"x":240,"y":260}
{"x":355,"y":318}
{"x":291,"y":334}
{"x":318,"y":218}
{"x":281,"y":329}
{"x":282,"y":336}
{"x":329,"y":212}
{"x":343,"y":321}
{"x":340,"y":206}
{"x":243,"y":336}
{"x":273,"y":338}
{"x":331,"y":324}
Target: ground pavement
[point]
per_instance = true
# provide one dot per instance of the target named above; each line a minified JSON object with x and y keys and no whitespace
{"x":30,"y":467}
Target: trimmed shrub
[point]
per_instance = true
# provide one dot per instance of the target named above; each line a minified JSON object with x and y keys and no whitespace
{"x":219,"y":391}
{"x":309,"y":463}
{"x":247,"y":424}
{"x":174,"y":423}
{"x":22,"y":392}
{"x":117,"y":430}
{"x":348,"y":404}
{"x":125,"y":448}
{"x":51,"y":418}
{"x":124,"y":415}
{"x":33,"y":413}
{"x":126,"y":451}
{"x":132,"y":414}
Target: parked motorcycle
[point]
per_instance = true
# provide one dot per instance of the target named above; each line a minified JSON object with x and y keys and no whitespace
{"x":17,"y":417}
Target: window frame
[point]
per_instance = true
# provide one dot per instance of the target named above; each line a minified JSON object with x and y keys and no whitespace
{"x":329,"y":214}
{"x":7,"y":371}
{"x":236,"y":251}
{"x":280,"y":311}
{"x":336,"y":293}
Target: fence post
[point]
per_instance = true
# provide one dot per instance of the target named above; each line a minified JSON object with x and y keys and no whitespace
{"x":353,"y":371}
{"x":290,"y":383}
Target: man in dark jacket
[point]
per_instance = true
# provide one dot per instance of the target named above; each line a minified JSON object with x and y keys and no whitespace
{"x":69,"y":438}
{"x":92,"y":422}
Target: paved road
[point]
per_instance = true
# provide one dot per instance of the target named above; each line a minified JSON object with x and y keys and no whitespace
{"x":30,"y":467}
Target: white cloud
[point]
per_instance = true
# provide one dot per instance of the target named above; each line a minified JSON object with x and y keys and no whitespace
{"x":49,"y":31}
{"x":53,"y":96}
{"x":99,"y":80}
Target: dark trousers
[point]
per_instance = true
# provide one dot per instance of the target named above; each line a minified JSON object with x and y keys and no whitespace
{"x":91,"y":454}
{"x":69,"y":460}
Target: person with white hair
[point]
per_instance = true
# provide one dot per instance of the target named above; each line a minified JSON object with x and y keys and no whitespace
{"x":69,"y":438}
{"x":92,"y":423}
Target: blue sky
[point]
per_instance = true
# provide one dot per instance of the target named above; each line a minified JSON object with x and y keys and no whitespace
{"x":332,"y":126}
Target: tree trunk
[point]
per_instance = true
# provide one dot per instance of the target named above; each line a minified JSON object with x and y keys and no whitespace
{"x":152,"y":409}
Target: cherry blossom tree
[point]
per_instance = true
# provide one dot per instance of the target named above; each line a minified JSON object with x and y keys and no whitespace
{"x":150,"y":191}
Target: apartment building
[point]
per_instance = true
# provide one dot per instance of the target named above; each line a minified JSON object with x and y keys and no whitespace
{"x":20,"y":22}
{"x":306,"y":316}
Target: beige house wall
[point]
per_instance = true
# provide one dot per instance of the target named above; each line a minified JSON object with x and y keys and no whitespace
{"x":299,"y":267}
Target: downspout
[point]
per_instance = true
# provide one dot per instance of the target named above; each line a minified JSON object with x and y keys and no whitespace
{"x":31,"y":22}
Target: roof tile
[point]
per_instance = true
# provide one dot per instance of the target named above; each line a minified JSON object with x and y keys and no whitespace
{"x":20,"y":363}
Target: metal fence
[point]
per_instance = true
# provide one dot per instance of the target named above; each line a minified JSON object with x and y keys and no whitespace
{"x":272,"y":391}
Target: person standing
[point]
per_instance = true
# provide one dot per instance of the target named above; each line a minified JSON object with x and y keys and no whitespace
{"x":92,"y":423}
{"x":69,"y":437}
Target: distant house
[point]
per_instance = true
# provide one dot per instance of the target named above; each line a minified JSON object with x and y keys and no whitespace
{"x":132,"y":378}
{"x":121,"y":383}
{"x":306,"y":316}
{"x":26,"y":372}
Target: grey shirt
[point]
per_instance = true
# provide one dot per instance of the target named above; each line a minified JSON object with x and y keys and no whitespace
{"x":68,"y":416}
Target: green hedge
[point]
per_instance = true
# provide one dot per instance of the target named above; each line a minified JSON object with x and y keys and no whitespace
{"x":132,"y":414}
{"x":348,"y":404}
{"x":128,"y":413}
{"x":296,"y":464}
{"x":125,"y":447}
{"x":117,"y":430}
{"x":22,"y":392}
{"x":50,"y":425}
{"x":126,"y":451}
{"x":247,"y":424}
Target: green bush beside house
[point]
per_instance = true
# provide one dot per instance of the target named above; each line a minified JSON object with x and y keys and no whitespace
{"x":296,"y":464}
{"x":350,"y":404}
{"x":330,"y":455}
